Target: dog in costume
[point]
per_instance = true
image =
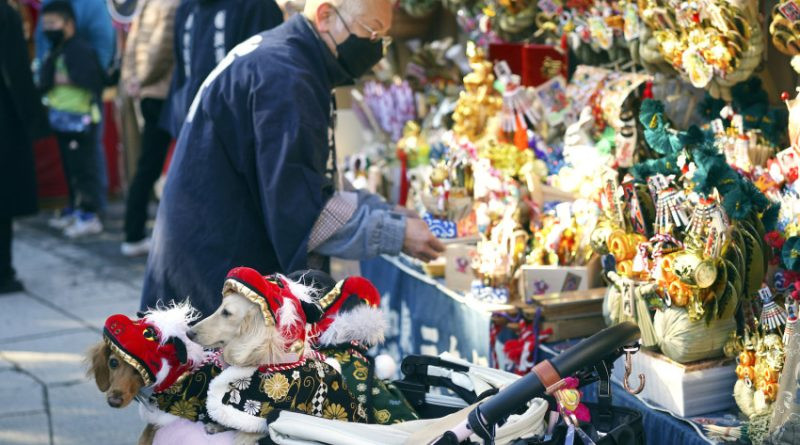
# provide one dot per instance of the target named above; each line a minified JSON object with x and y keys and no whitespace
{"x":141,"y":359}
{"x":347,"y":322}
{"x":261,"y":328}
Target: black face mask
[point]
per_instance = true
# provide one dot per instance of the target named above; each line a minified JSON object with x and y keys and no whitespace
{"x":357,"y":55}
{"x":55,"y":36}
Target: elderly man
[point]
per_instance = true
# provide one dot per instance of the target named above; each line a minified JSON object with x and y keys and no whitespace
{"x":253,"y":178}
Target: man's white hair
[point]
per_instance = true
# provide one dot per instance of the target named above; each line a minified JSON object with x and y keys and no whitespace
{"x":346,"y":7}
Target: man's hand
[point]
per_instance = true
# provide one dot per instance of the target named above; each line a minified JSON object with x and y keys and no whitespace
{"x":132,"y":88}
{"x":420,"y":242}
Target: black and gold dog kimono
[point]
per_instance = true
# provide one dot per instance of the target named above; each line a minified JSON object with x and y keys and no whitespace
{"x":383,"y":402}
{"x":187,"y":397}
{"x":247,"y":399}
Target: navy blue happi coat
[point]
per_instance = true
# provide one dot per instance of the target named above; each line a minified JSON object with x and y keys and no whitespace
{"x":248,"y":178}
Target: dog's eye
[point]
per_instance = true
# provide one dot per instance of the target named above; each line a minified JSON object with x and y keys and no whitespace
{"x":113,"y":363}
{"x":225,"y":313}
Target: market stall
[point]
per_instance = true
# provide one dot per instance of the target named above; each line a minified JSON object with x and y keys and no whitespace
{"x":589,"y":164}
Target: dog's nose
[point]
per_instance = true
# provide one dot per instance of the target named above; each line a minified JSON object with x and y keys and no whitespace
{"x":191,"y":334}
{"x":114,"y":401}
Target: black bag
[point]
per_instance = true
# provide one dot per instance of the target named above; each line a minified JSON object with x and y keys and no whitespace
{"x":624,"y":427}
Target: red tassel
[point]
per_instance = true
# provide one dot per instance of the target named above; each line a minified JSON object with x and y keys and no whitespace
{"x":404,"y":184}
{"x":520,"y":135}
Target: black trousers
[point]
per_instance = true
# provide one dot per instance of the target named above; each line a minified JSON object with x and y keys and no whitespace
{"x":155,"y":145}
{"x":6,"y":271}
{"x":79,"y":160}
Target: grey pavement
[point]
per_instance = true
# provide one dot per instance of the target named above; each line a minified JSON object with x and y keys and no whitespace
{"x":71,"y":288}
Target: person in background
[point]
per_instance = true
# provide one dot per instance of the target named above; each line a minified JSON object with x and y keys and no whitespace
{"x":291,"y":7}
{"x":205,"y":30}
{"x":94,"y":26}
{"x":253,"y":178}
{"x":71,"y":81}
{"x":147,"y":68}
{"x":21,"y":120}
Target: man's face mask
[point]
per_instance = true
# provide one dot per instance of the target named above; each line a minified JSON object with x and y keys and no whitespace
{"x":357,"y":55}
{"x":54,"y":36}
{"x":53,"y":28}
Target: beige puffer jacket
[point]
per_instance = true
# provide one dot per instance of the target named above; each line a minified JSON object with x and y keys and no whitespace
{"x":149,"y":55}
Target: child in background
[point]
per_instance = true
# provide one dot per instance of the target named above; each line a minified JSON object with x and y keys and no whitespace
{"x":71,"y":82}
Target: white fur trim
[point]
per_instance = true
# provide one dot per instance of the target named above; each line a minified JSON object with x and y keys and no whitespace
{"x":334,"y":364}
{"x":191,"y":433}
{"x":364,"y":324}
{"x":150,"y":414}
{"x":385,"y":367}
{"x":301,"y":291}
{"x":227,"y":415}
{"x":174,"y":321}
{"x":163,"y":372}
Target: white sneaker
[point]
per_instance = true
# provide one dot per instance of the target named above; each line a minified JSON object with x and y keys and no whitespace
{"x":62,"y":219}
{"x":85,"y":224}
{"x":138,"y":248}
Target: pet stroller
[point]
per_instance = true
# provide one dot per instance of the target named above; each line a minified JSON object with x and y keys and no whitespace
{"x":489,"y":405}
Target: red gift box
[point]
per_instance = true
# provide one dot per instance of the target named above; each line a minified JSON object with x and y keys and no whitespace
{"x":535,"y":64}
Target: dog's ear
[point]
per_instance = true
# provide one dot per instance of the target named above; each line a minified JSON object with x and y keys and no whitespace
{"x":180,"y":349}
{"x":247,"y":348}
{"x":98,"y":365}
{"x":250,"y":320}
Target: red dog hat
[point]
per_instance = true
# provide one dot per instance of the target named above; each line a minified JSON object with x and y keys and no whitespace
{"x":279,"y":305}
{"x":351,"y":312}
{"x":139,"y":343}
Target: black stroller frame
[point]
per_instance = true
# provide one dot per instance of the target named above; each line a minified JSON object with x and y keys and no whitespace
{"x":590,"y":361}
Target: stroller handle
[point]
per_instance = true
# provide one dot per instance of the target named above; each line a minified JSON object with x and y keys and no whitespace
{"x":586,"y":353}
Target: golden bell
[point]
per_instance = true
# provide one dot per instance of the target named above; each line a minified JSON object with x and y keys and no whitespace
{"x":695,"y":271}
{"x":678,"y":293}
{"x":623,"y":245}
{"x":770,"y":391}
{"x":745,"y":372}
{"x":769,"y":375}
{"x":666,"y":263}
{"x":747,"y":358}
{"x":625,"y":268}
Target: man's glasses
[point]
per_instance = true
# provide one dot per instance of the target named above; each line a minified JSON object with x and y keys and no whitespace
{"x":374,"y":36}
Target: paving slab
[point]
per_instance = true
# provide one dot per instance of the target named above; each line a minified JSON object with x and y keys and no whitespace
{"x":23,"y":316}
{"x":28,"y":256}
{"x":81,"y":416}
{"x":55,"y":359}
{"x":78,"y":298}
{"x":95,"y":314}
{"x":28,"y":429}
{"x":23,"y":392}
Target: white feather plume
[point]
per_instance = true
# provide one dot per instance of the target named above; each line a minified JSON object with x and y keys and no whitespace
{"x":289,"y":318}
{"x":302,"y":292}
{"x":364,"y":324}
{"x":174,"y":321}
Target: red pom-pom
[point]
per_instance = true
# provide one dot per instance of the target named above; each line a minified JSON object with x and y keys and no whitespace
{"x":648,"y":90}
{"x":791,"y":175}
{"x":784,"y":96}
{"x":513,"y":350}
{"x":774,"y":239}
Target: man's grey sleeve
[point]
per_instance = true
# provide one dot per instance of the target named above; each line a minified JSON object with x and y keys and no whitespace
{"x":368,"y":233}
